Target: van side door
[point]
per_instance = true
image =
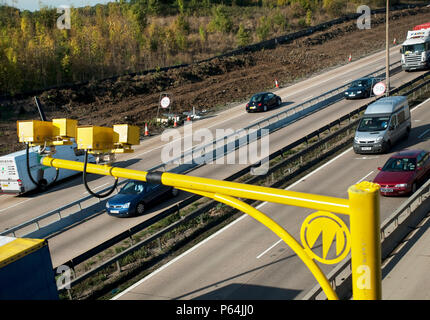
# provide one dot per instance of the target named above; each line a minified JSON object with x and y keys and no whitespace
{"x":393,"y":129}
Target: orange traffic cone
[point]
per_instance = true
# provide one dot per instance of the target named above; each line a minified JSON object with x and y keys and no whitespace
{"x":276,"y":83}
{"x":395,"y":41}
{"x":350,"y":58}
{"x":175,"y":124}
{"x":146,"y":130}
{"x":188,"y":118}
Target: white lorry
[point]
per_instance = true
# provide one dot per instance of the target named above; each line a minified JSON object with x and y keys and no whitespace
{"x":416,"y":48}
{"x":14,"y":178}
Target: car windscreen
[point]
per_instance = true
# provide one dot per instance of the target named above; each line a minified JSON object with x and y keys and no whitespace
{"x":359,"y":83}
{"x":414,"y":48}
{"x":400,"y":164}
{"x":368,"y":124}
{"x":133,"y":188}
{"x":257,"y":98}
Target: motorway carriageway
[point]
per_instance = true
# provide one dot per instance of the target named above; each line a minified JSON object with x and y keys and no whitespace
{"x":85,"y":236}
{"x":16,"y":210}
{"x":245,"y":260}
{"x":91,"y":233}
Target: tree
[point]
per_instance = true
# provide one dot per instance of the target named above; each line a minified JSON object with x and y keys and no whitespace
{"x":221,"y":20}
{"x":243,"y":36}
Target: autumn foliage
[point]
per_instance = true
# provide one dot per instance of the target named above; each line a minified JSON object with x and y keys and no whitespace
{"x":131,"y":36}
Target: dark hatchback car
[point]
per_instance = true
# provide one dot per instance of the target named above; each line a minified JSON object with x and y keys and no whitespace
{"x":136,"y":196}
{"x":263,"y":101}
{"x":360,"y":88}
{"x":403,"y":172}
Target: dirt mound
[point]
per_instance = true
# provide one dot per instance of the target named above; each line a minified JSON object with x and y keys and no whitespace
{"x":208,"y":85}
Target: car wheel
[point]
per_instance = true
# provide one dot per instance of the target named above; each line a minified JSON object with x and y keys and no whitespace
{"x":175,"y":192}
{"x":264,"y":108}
{"x":140,"y":208}
{"x":279,"y":102}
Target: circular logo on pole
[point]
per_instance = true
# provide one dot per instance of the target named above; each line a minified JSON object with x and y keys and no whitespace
{"x":328,"y":228}
{"x":165,"y":102}
{"x":379,"y":89}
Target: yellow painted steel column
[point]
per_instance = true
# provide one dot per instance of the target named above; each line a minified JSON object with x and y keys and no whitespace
{"x":365,"y":241}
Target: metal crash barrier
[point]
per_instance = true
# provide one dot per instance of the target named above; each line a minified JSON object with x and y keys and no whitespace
{"x":362,"y":208}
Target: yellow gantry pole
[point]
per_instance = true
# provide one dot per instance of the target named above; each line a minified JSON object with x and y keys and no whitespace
{"x":365,"y":241}
{"x":238,"y":190}
{"x":362,"y":207}
{"x":279,"y":231}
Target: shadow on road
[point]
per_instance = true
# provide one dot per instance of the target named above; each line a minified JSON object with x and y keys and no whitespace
{"x":407,"y":244}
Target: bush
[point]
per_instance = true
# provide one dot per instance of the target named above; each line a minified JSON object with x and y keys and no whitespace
{"x":334,"y":7}
{"x":243,"y":36}
{"x":221,"y":20}
{"x":263,"y":28}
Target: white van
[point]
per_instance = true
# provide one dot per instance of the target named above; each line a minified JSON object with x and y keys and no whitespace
{"x":384,"y":123}
{"x":14,"y":177}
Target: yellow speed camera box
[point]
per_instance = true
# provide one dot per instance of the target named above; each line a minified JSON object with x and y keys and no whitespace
{"x":126,"y":134}
{"x":95,"y":138}
{"x":65,"y":127}
{"x":34,"y":131}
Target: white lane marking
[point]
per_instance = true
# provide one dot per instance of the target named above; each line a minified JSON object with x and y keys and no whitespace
{"x":308,"y":98}
{"x":364,"y":177}
{"x":270,"y":248}
{"x":97,"y":187}
{"x":421,"y":104}
{"x":258,"y":119}
{"x":177,"y":258}
{"x":17,"y":204}
{"x":367,"y":158}
{"x":423,"y":134}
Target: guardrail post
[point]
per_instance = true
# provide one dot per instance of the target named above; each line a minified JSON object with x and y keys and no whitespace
{"x":365,"y":241}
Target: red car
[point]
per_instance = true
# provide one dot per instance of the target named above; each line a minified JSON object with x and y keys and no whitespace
{"x":403,"y":172}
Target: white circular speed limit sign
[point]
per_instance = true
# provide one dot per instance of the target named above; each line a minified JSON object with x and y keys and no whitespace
{"x":165,"y":102}
{"x":379,"y":88}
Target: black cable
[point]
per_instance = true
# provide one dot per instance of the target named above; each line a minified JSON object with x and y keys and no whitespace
{"x":56,"y":175}
{"x":27,"y":152}
{"x":38,"y":184}
{"x":84,"y":176}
